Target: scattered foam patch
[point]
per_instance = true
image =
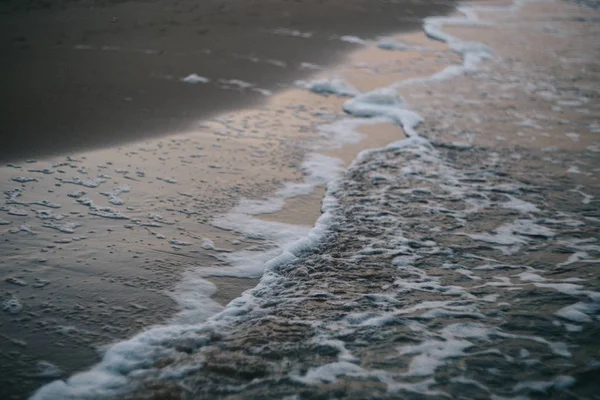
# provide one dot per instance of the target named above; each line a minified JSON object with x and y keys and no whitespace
{"x":335,"y":86}
{"x":12,"y":306}
{"x":353,"y":40}
{"x":292,"y":32}
{"x":194,"y":79}
{"x":391,"y":44}
{"x":561,"y":383}
{"x":235,"y":84}
{"x":90,"y":183}
{"x":113,"y":196}
{"x":386,"y":103}
{"x":65,"y":227}
{"x":310,"y":66}
{"x":11,"y":210}
{"x":24,"y":179}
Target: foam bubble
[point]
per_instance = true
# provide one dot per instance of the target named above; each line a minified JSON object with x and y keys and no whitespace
{"x":194,"y":79}
{"x":334,"y":86}
{"x":12,"y":306}
{"x":353,"y":39}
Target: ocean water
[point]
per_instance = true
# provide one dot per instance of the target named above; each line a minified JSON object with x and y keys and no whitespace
{"x":441,"y":266}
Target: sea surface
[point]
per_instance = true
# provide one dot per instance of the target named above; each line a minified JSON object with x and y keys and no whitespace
{"x":455,"y":169}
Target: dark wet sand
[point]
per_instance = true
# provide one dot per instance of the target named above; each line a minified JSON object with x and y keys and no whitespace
{"x":87,"y":74}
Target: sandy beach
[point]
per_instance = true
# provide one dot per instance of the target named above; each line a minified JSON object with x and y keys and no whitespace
{"x":82,"y":74}
{"x":397,"y":212}
{"x":112,"y":189}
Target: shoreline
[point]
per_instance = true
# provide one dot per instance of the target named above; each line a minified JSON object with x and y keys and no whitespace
{"x":154,"y":263}
{"x":196,"y":278}
{"x":289,"y":215}
{"x":247,"y":314}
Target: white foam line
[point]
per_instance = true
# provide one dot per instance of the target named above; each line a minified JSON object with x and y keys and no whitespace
{"x":330,"y":86}
{"x":135,"y":356}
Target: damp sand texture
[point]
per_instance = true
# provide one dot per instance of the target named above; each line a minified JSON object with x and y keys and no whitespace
{"x":458,"y":261}
{"x":81,"y":75}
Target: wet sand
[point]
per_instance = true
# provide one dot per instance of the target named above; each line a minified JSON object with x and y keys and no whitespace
{"x":79,"y":75}
{"x":187,"y":179}
{"x":107,"y":278}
